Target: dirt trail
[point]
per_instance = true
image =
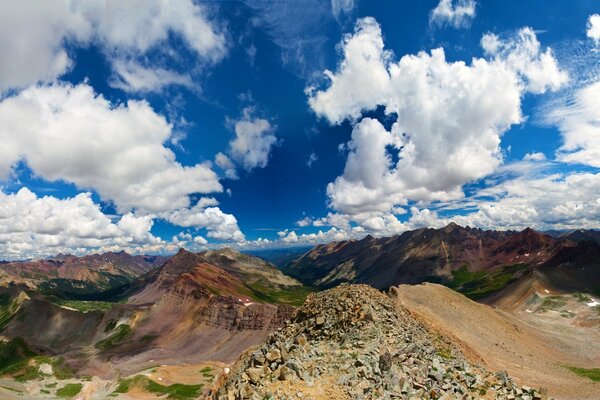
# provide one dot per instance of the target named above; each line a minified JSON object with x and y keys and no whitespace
{"x":530,"y":347}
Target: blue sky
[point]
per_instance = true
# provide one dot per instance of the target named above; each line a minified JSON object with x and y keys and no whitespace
{"x":143,"y":127}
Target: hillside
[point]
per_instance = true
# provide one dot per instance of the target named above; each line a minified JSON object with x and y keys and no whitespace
{"x":194,"y":309}
{"x":529,"y":337}
{"x":473,"y":261}
{"x":354,"y":342}
{"x":79,"y":277}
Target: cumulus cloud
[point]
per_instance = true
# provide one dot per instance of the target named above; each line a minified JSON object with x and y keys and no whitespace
{"x":523,"y":55}
{"x":450,"y":117}
{"x":204,"y":215}
{"x":579,"y":124}
{"x":449,"y":120}
{"x":68,"y":133}
{"x":535,"y":156}
{"x":593,"y":28}
{"x":226,"y":165}
{"x":32,"y":226}
{"x":253,"y":142}
{"x":457,"y":14}
{"x":134,"y":77}
{"x":44,"y":28}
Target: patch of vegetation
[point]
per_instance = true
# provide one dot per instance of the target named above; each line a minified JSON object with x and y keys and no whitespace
{"x":148,"y":337}
{"x":290,"y":295}
{"x":69,"y":390}
{"x":445,"y":353}
{"x":567,"y":314}
{"x":85,"y":306}
{"x":60,"y":369}
{"x":207,"y":372}
{"x":122,"y":333}
{"x":8,"y":308}
{"x":591,"y":373}
{"x":552,"y":303}
{"x":597,"y":309}
{"x":14,"y":358}
{"x":582,"y":297}
{"x":478,"y":284}
{"x":175,"y":391}
{"x":11,"y":389}
{"x":112,"y":324}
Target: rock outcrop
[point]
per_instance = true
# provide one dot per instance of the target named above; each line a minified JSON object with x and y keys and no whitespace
{"x":354,"y":342}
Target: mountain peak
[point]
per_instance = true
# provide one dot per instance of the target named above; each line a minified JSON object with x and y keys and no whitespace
{"x":451,"y":227}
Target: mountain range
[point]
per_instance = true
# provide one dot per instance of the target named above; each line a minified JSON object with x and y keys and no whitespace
{"x":473,"y":261}
{"x":188,"y":326}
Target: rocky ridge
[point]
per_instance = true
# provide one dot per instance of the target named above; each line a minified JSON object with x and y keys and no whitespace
{"x":354,"y":342}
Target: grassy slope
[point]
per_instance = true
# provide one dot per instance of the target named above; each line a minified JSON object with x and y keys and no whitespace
{"x":476,"y":285}
{"x":175,"y":391}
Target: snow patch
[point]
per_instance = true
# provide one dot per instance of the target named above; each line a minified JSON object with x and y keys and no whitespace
{"x":594,"y":303}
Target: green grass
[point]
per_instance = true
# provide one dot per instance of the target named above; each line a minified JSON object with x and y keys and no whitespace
{"x":176,"y":391}
{"x":18,"y":361}
{"x":148,"y":337}
{"x":122,"y":333}
{"x":582,"y":297}
{"x":290,"y":295}
{"x":69,"y":390}
{"x":84,"y":306}
{"x":478,"y":284}
{"x":591,"y":373}
{"x":552,"y":303}
{"x":14,"y":360}
{"x":207,"y":372}
{"x":8,"y":308}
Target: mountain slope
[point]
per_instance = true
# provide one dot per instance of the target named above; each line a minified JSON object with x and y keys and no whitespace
{"x":70,"y":276}
{"x":195,"y":307}
{"x":532,"y":347}
{"x":473,"y":261}
{"x":354,"y":342}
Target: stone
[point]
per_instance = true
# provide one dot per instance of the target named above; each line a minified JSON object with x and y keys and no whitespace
{"x":273,"y":355}
{"x":385,"y":361}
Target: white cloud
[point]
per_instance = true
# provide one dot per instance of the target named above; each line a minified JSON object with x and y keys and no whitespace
{"x":450,"y":117}
{"x":32,"y":226}
{"x":253,"y":142}
{"x":204,"y":215}
{"x":342,"y":7}
{"x":593,"y":28}
{"x":69,"y":133}
{"x":579,"y":124}
{"x":535,"y":156}
{"x":226,"y":165}
{"x":523,"y":55}
{"x":311,"y":159}
{"x":306,"y":221}
{"x":133,"y":77}
{"x":44,"y":28}
{"x":457,"y":14}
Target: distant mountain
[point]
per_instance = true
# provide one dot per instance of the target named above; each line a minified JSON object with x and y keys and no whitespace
{"x":74,"y":276}
{"x":280,"y":257}
{"x":473,"y":261}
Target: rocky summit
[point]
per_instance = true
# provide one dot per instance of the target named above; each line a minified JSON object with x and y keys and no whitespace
{"x":355,"y":342}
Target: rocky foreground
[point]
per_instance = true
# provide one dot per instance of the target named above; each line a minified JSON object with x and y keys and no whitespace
{"x":354,"y":342}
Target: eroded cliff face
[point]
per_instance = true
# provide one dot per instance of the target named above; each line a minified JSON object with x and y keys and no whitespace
{"x":231,"y":314}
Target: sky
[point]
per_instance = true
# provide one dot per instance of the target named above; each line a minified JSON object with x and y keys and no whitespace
{"x":148,"y":125}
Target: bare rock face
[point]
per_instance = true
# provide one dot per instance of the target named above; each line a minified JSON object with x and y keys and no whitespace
{"x":354,"y":342}
{"x":229,"y":314}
